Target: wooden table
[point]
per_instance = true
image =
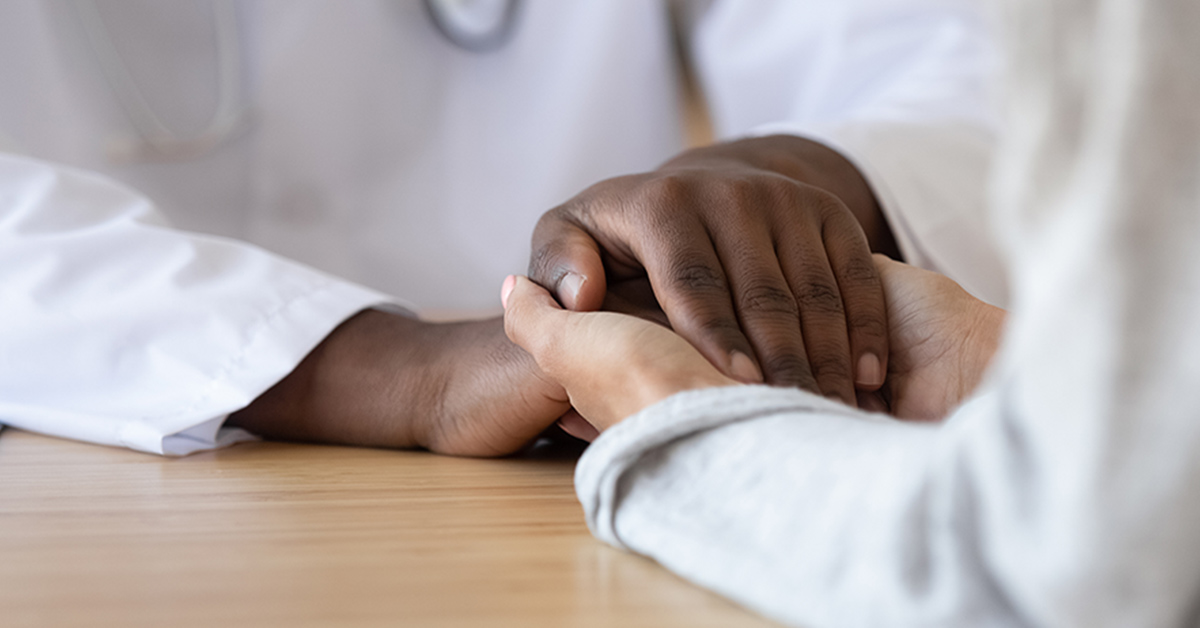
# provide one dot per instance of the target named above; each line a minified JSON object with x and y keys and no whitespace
{"x":272,"y":534}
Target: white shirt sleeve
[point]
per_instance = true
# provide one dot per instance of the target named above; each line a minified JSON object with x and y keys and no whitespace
{"x":905,"y":90}
{"x":116,"y":329}
{"x":1064,"y":494}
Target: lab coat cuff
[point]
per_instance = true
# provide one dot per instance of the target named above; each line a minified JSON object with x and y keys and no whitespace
{"x":283,"y":339}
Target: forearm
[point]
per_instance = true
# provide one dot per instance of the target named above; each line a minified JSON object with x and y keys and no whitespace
{"x":784,"y":501}
{"x":386,"y":380}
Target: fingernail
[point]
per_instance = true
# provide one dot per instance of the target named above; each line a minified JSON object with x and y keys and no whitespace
{"x":568,"y":289}
{"x":576,"y":426}
{"x":510,"y":282}
{"x":870,"y":372}
{"x":741,"y":367}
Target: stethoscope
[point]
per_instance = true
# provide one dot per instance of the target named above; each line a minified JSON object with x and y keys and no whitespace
{"x":474,"y":25}
{"x":478,"y":26}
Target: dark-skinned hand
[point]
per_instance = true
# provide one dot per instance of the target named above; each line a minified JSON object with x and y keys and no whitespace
{"x":759,"y":252}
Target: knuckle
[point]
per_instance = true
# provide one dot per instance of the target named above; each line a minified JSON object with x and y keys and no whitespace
{"x":780,"y":184}
{"x":805,"y":207}
{"x":819,"y":203}
{"x":752,"y":193}
{"x":749,"y":197}
{"x":820,"y":297}
{"x":831,"y":368}
{"x":859,"y":270}
{"x":710,"y":325}
{"x":666,"y":191}
{"x":787,"y":368}
{"x":825,"y":202}
{"x":723,"y":327}
{"x":799,"y":193}
{"x":765,"y":299}
{"x":695,"y":277}
{"x":741,"y":192}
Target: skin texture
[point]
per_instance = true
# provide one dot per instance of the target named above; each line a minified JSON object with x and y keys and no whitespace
{"x":943,"y":340}
{"x":613,"y":365}
{"x":384,"y":380}
{"x":610,"y":365}
{"x":759,"y":252}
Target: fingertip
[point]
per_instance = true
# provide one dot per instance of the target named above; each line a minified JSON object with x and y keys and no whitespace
{"x":582,"y":290}
{"x":506,"y":289}
{"x":526,"y":303}
{"x":527,"y":290}
{"x":883,"y":263}
{"x":871,"y":402}
{"x":569,"y":289}
{"x":574,"y":424}
{"x":743,"y":369}
{"x":519,"y":308}
{"x":868,"y":373}
{"x":515,"y":295}
{"x":567,"y":260}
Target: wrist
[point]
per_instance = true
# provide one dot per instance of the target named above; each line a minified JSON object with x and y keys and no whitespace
{"x":982,"y":341}
{"x":367,"y":383}
{"x":657,"y":386}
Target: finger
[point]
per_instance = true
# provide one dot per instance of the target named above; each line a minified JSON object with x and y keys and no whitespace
{"x":766,"y":307}
{"x":636,"y":298}
{"x":872,"y":401}
{"x":887,"y":267}
{"x":692,"y":288}
{"x":566,"y":260}
{"x":822,"y":317}
{"x":859,"y":282}
{"x":533,"y":320}
{"x":574,"y":424}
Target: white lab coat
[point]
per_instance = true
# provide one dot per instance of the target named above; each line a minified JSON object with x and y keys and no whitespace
{"x":368,"y":160}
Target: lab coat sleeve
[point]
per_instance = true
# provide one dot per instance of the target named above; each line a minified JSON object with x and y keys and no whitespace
{"x":1064,"y":494}
{"x":905,"y":90}
{"x":116,"y":329}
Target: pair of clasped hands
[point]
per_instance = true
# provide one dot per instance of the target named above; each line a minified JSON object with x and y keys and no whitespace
{"x":739,"y":263}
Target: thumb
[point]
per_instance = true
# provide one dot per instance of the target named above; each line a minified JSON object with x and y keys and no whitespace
{"x":893,"y":275}
{"x":574,"y":424}
{"x":886,"y":265}
{"x":533,"y":320}
{"x":566,"y":259}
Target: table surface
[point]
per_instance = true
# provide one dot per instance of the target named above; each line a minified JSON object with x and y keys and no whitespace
{"x":265,"y":534}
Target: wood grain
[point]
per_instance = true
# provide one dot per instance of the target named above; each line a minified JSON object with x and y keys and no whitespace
{"x":275,"y":534}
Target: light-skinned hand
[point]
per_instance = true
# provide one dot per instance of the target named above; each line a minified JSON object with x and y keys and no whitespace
{"x":612,"y":365}
{"x":608,"y":365}
{"x":942,"y":340}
